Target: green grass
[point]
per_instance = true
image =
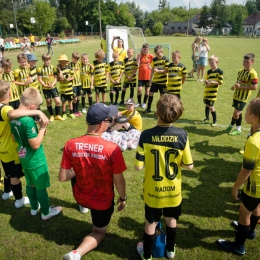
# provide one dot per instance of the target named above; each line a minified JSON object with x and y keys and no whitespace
{"x":208,"y":206}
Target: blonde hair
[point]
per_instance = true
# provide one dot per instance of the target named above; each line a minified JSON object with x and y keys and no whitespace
{"x":84,"y":55}
{"x":213,"y":58}
{"x":254,"y":106}
{"x":100,"y":54}
{"x":4,"y":89}
{"x":177,"y":53}
{"x":46,"y":56}
{"x":115,"y":53}
{"x":75,"y":55}
{"x":31,"y":96}
{"x":169,"y":108}
{"x":21,"y":56}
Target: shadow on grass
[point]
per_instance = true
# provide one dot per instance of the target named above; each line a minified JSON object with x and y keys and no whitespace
{"x":210,"y":132}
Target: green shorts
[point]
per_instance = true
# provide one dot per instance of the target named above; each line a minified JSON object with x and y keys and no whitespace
{"x":38,"y":177}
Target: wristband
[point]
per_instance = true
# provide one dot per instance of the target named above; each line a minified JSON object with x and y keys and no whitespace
{"x":123,"y":199}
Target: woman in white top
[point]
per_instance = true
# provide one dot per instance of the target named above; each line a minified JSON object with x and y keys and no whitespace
{"x":26,"y":46}
{"x":203,"y":60}
{"x":2,"y":47}
{"x":195,"y":56}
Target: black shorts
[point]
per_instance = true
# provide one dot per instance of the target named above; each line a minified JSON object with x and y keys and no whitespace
{"x":115,"y":88}
{"x":129,"y":84}
{"x":32,"y":43}
{"x":101,"y":218}
{"x":14,"y":104}
{"x":13,"y":170}
{"x":155,"y":87}
{"x":100,"y":90}
{"x":249,"y":202}
{"x":50,"y":93}
{"x":65,"y":98}
{"x":85,"y":91}
{"x":129,"y":128}
{"x":2,"y":48}
{"x":209,"y":102}
{"x":238,"y":105}
{"x":154,"y":214}
{"x":144,"y":83}
{"x":77,"y":91}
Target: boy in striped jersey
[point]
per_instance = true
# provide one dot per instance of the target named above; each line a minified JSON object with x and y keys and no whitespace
{"x":47,"y":75}
{"x":158,"y":79}
{"x":214,"y":78}
{"x":22,"y":74}
{"x":31,"y":59}
{"x":130,"y":68}
{"x":8,"y":76}
{"x":247,"y":80}
{"x":76,"y":83}
{"x":116,"y":71}
{"x":86,"y":74}
{"x":100,"y":75}
{"x":65,"y":77}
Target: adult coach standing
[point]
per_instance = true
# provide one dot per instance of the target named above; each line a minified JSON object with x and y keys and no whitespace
{"x":98,"y":165}
{"x":103,"y":45}
{"x":49,"y":41}
{"x":2,"y":46}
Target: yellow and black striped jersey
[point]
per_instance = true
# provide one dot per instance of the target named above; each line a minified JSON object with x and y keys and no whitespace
{"x":130,"y":67}
{"x":76,"y":69}
{"x":211,"y":92}
{"x":135,"y":118}
{"x":175,"y":77}
{"x":100,"y":73}
{"x":34,"y":77}
{"x":22,"y":75}
{"x":9,"y":78}
{"x":115,"y":70}
{"x":245,"y":78}
{"x":251,"y":161}
{"x":48,"y":74}
{"x":160,"y":64}
{"x":86,"y":73}
{"x":66,"y":86}
{"x":162,"y":150}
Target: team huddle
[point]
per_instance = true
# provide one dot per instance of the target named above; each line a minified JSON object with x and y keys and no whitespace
{"x":94,"y":165}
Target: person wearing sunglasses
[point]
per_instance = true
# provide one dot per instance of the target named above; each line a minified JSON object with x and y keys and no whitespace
{"x":98,"y":165}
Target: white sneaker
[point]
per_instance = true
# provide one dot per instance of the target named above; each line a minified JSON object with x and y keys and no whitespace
{"x":53,"y":212}
{"x":137,"y":105}
{"x":170,"y":255}
{"x":7,"y":195}
{"x":21,"y":202}
{"x":73,"y":255}
{"x":83,"y":210}
{"x":140,"y":251}
{"x":84,"y":110}
{"x":35,"y":211}
{"x":143,"y":105}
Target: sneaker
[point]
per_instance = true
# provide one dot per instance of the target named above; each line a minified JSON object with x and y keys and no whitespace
{"x":76,"y":114}
{"x":228,"y":129}
{"x":170,"y":254}
{"x":7,"y":195}
{"x":64,"y":117}
{"x":231,"y":246}
{"x":148,"y":110}
{"x":242,"y":151}
{"x":214,"y":124}
{"x":73,"y":255}
{"x":121,"y":103}
{"x":236,"y":132}
{"x":251,"y":234}
{"x":143,"y":105}
{"x":84,"y":110}
{"x":72,"y":116}
{"x":79,"y":114}
{"x":21,"y":202}
{"x":51,"y":118}
{"x":137,"y":105}
{"x":58,"y":117}
{"x":205,"y":121}
{"x":35,"y":211}
{"x":53,"y":212}
{"x":140,"y":251}
{"x":83,"y":210}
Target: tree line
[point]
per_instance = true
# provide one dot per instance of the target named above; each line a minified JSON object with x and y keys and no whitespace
{"x":56,"y":15}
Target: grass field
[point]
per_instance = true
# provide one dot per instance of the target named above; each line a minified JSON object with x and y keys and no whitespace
{"x":208,"y":207}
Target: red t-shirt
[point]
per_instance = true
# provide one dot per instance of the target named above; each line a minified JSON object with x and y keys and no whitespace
{"x":144,"y":67}
{"x":94,"y":161}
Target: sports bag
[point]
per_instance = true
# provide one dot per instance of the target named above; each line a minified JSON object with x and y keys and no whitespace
{"x":159,"y":245}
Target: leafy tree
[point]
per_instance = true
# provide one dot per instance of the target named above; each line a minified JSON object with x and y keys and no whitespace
{"x":162,"y":4}
{"x":60,"y":24}
{"x":157,"y":29}
{"x":251,"y":6}
{"x":204,"y":20}
{"x":237,"y":26}
{"x":136,"y":12}
{"x":124,"y":17}
{"x":150,"y":24}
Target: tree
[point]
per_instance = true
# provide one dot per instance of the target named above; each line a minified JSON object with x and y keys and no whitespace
{"x":124,"y":17}
{"x":162,"y":4}
{"x":204,"y":17}
{"x":157,"y":29}
{"x":237,"y":26}
{"x":136,"y":12}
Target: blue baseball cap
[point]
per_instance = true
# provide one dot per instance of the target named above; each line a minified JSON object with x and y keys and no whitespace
{"x":31,"y":57}
{"x":98,"y":112}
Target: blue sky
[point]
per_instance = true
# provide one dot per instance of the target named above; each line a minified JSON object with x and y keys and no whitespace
{"x":149,"y":5}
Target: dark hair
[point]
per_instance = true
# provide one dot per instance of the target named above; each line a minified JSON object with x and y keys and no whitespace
{"x":254,"y":106}
{"x":249,"y":56}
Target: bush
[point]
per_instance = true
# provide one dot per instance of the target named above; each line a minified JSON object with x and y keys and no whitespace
{"x":62,"y":35}
{"x":179,"y":34}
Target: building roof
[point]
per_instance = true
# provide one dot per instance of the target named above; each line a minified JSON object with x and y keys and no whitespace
{"x":252,"y":19}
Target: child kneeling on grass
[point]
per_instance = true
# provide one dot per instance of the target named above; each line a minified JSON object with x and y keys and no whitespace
{"x":249,"y":175}
{"x":32,"y":157}
{"x":163,"y":159}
